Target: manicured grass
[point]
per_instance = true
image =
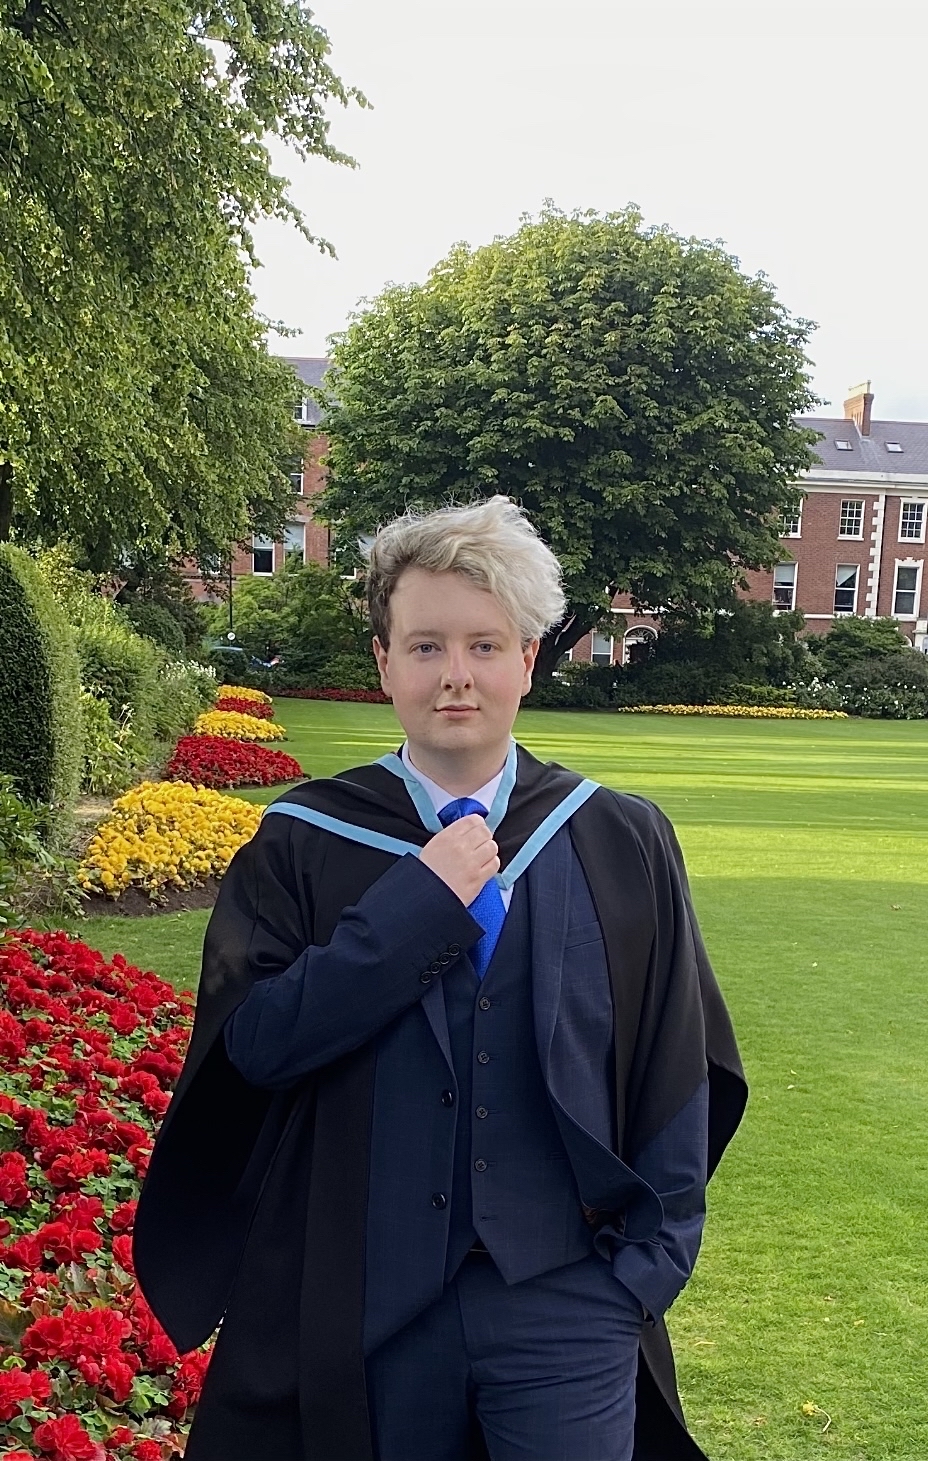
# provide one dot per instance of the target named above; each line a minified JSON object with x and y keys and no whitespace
{"x":807,"y":844}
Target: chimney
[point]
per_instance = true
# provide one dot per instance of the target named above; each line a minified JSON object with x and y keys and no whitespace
{"x":858,"y":406}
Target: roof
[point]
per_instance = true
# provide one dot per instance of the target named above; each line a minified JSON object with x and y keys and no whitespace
{"x":868,"y":454}
{"x":310,"y":369}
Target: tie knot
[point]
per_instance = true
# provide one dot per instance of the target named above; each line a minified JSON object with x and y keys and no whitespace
{"x":465,"y":806}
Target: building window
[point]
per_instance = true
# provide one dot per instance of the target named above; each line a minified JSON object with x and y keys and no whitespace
{"x":602,"y":649}
{"x":262,"y":552}
{"x":852,"y":518}
{"x":846,"y":588}
{"x":844,"y":445}
{"x":638,"y":644}
{"x":895,"y":446}
{"x":300,"y":410}
{"x":295,"y":540}
{"x":784,"y":587}
{"x":791,"y":523}
{"x":905,"y":591}
{"x":912,"y":522}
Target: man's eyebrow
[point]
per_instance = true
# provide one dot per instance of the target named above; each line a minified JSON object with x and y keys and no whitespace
{"x":437,"y":633}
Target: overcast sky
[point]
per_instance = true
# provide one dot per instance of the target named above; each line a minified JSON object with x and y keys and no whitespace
{"x":794,"y":132}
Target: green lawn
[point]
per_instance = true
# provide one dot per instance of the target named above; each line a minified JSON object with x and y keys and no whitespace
{"x":807,"y":844}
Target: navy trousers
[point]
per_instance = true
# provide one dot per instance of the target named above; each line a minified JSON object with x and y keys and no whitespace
{"x":545,"y":1367}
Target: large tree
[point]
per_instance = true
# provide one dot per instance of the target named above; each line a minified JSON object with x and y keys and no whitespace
{"x":633,"y":389}
{"x":139,"y":406}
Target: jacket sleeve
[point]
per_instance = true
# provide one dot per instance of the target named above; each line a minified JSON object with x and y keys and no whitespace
{"x":385,"y":951}
{"x":674,"y":1164}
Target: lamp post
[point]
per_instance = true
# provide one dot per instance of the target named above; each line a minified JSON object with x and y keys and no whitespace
{"x":231,"y":634}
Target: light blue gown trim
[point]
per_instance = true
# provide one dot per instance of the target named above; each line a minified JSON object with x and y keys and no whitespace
{"x":423,"y":802}
{"x":539,"y":839}
{"x":542,"y":835}
{"x":345,"y":829}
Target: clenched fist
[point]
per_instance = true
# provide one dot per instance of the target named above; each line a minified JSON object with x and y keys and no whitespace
{"x":464,"y":856}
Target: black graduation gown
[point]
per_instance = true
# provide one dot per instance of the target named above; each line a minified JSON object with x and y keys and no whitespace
{"x":253,"y":1210}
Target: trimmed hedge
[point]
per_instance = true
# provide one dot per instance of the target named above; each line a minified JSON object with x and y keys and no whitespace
{"x":40,"y":727}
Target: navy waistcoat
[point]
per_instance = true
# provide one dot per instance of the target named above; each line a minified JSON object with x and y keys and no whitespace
{"x":513,"y":1185}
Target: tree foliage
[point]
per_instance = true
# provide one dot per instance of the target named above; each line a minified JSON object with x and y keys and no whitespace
{"x":853,"y":639}
{"x":138,"y":402}
{"x":634,"y":390}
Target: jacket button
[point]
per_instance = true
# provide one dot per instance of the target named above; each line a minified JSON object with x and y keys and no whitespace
{"x":454,"y":950}
{"x":480,"y":1165}
{"x":483,"y":1058}
{"x":435,"y":968}
{"x":447,"y":1098}
{"x":444,"y":959}
{"x":482,"y":1113}
{"x":425,"y":978}
{"x":483,"y":1002}
{"x":439,"y":1200}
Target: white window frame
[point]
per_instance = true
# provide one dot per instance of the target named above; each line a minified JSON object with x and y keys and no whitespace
{"x":852,"y":537}
{"x":597,"y":634}
{"x":292,"y":529}
{"x":262,"y":545}
{"x":908,"y":563}
{"x":778,"y":608}
{"x":912,"y":502}
{"x":296,"y":482}
{"x":301,"y":411}
{"x":840,"y":613}
{"x":791,"y":517}
{"x":638,"y":634}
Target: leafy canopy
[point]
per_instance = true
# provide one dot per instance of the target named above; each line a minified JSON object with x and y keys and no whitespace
{"x":138,"y":403}
{"x":633,"y":389}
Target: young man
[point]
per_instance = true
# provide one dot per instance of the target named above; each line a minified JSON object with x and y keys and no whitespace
{"x":460,"y":1069}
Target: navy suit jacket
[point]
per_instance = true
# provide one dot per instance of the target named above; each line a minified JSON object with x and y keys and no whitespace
{"x":646,"y":1209}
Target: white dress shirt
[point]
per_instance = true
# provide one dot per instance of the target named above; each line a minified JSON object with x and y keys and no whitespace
{"x":440,"y":798}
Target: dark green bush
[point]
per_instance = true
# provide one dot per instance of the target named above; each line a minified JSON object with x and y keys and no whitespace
{"x":853,"y":640}
{"x":112,"y":756}
{"x":40,"y":724}
{"x":894,"y":686}
{"x":156,"y":622}
{"x":120,"y":667}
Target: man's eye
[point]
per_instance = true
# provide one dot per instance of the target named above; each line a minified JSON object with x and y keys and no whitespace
{"x":486,"y":648}
{"x":424,"y":648}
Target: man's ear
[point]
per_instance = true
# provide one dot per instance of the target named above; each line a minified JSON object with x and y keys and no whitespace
{"x":529,"y":656}
{"x":380,"y":655}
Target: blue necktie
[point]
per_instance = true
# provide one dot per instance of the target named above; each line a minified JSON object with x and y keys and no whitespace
{"x":488,"y":907}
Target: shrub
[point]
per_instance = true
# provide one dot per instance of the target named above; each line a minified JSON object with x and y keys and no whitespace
{"x":657,"y":682}
{"x":577,"y":687}
{"x":120,"y":667}
{"x":218,"y":762}
{"x":166,"y":834}
{"x":240,"y":706}
{"x":32,"y":876}
{"x":853,"y":639}
{"x":238,"y":727}
{"x":154,"y":621}
{"x":112,"y":755}
{"x":349,"y":671}
{"x":40,"y":726}
{"x":893,"y":686}
{"x":184,"y":689}
{"x":90,"y":1051}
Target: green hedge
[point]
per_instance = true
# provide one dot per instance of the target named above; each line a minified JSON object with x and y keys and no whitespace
{"x":40,"y":724}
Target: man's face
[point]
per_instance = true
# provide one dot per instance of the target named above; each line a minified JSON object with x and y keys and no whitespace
{"x":455,"y":669}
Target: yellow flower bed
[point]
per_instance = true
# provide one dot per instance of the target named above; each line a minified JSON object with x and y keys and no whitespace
{"x":242,"y":692}
{"x":166,"y":834}
{"x":746,"y":712}
{"x":238,"y":727}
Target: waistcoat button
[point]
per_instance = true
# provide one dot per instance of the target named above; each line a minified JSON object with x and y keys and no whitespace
{"x":483,"y":1002}
{"x":480,"y":1165}
{"x":483,"y":1058}
{"x":447,"y":1098}
{"x":482,"y":1113}
{"x":439,"y":1200}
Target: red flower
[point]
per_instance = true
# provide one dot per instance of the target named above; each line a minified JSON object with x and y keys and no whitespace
{"x":146,"y":1450}
{"x":68,"y":1244}
{"x":122,"y":1252}
{"x":122,"y":1218}
{"x":258,"y":708}
{"x":14,"y":1189}
{"x":219,"y":762}
{"x":123,"y":1019}
{"x":65,"y":1439}
{"x":18,"y":1385}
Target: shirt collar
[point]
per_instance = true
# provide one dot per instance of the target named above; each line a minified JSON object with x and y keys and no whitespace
{"x":437,"y":794}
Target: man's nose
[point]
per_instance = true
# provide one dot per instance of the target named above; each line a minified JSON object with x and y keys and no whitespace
{"x":457,"y":670}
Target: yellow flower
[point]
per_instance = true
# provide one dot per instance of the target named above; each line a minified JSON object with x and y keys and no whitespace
{"x":239,"y":727}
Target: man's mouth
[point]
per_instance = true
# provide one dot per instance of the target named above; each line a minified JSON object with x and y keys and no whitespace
{"x":455,"y":709}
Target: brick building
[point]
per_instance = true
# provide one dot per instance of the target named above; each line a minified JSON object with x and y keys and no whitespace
{"x":856,"y":546}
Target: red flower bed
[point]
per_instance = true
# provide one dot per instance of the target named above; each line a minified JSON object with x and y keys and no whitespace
{"x":367,"y":697}
{"x":217,"y":761}
{"x":89,"y":1050}
{"x":245,"y":707}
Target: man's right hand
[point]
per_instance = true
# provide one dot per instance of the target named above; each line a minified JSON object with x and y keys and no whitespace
{"x":464,"y":856}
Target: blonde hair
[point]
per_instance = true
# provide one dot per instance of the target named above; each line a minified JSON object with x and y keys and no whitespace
{"x":491,"y":543}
